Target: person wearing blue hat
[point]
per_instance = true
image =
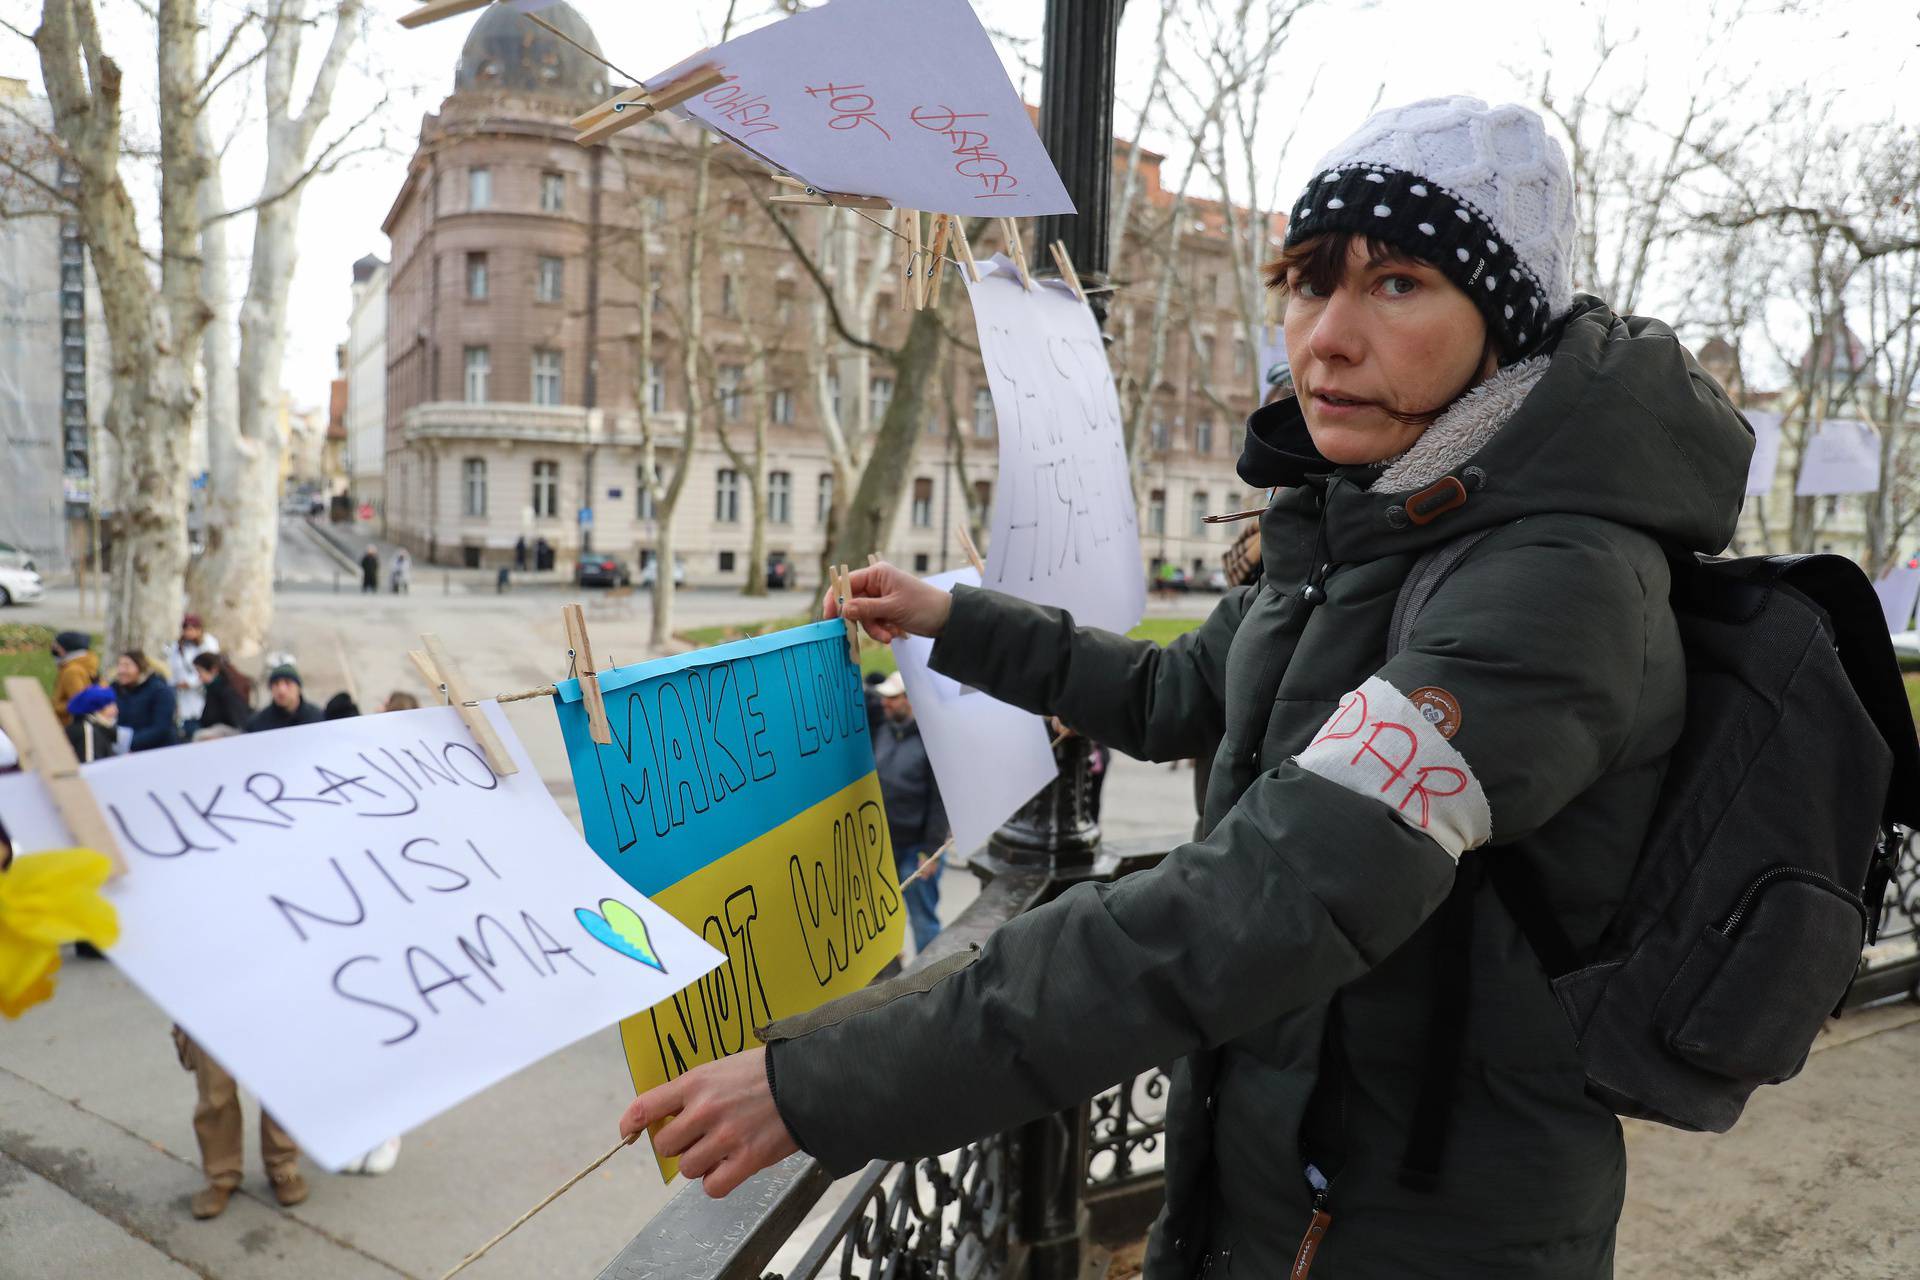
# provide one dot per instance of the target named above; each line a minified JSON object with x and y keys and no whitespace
{"x":93,"y":722}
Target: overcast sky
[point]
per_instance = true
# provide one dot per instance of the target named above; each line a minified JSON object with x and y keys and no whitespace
{"x":1399,"y":50}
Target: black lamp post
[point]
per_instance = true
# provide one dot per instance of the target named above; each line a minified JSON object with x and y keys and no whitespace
{"x":1057,"y":829}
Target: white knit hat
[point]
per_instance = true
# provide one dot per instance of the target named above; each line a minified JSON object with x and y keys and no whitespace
{"x":1481,"y":192}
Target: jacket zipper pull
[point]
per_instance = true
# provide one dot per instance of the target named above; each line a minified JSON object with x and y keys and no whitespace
{"x":1316,"y":1226}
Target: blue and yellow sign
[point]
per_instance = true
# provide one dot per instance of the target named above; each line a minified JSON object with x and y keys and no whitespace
{"x":738,"y":793}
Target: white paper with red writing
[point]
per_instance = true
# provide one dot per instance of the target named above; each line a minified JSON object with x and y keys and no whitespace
{"x":1066,"y":532}
{"x":1380,"y":745}
{"x":901,"y":99}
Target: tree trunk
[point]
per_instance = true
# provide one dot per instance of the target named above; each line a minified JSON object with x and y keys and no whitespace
{"x":870,"y":514}
{"x":756,"y":584}
{"x":217,"y":363}
{"x":243,"y":521}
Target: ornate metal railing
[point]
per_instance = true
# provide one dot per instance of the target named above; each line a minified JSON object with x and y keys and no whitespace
{"x":1024,"y":1205}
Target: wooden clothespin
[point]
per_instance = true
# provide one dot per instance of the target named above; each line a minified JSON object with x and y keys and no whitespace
{"x":843,"y":591}
{"x":622,"y":101}
{"x":44,"y":748}
{"x":1067,"y":273}
{"x":428,"y":672}
{"x":624,"y":111}
{"x":827,"y":199}
{"x":971,"y":551}
{"x":454,"y":685}
{"x":575,"y":619}
{"x":966,"y":249}
{"x":1017,"y":250}
{"x":434,"y":10}
{"x":937,"y":262}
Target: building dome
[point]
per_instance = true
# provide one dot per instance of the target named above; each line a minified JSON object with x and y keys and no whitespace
{"x":506,"y":53}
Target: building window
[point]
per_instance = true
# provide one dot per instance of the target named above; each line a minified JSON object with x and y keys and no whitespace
{"x":726,"y":562}
{"x":656,"y":291}
{"x":476,"y":276}
{"x":1240,"y":357}
{"x":731,"y":376}
{"x":823,"y":498}
{"x":479,"y":188}
{"x":548,"y":279}
{"x":729,"y":299}
{"x":1157,"y":511}
{"x":1203,"y":436}
{"x":1200,"y":525}
{"x":783,"y":303}
{"x":923,"y":503}
{"x":726,"y":496}
{"x":473,"y":474}
{"x":546,"y":377}
{"x":1205,"y":356}
{"x":546,"y":489}
{"x":833,"y":394}
{"x":780,"y":497}
{"x":644,"y":507}
{"x":783,"y":406}
{"x":553,"y":192}
{"x":1161,"y":436}
{"x":657,"y":207}
{"x":478,"y":367}
{"x":983,"y":412}
{"x":982,"y":497}
{"x":879,"y":396}
{"x":657,"y":386}
{"x":922,"y":562}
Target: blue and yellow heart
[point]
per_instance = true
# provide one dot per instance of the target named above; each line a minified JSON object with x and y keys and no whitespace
{"x":619,"y":926}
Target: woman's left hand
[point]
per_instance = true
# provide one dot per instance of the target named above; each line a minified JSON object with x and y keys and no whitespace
{"x":725,"y":1127}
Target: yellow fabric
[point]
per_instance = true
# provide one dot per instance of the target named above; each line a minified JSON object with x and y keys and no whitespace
{"x":73,"y":676}
{"x":47,"y":899}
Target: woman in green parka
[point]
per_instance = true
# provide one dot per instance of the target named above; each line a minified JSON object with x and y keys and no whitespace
{"x":1297,"y":961}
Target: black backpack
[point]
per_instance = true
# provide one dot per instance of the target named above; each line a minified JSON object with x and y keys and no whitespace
{"x":1764,"y":868}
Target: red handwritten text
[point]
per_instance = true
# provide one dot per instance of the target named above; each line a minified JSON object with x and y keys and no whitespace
{"x":747,"y":110}
{"x":852,"y":107}
{"x":974,"y":148}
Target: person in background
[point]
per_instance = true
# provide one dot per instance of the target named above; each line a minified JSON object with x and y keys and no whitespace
{"x":146,"y":701}
{"x":876,"y":708}
{"x":340,"y":706}
{"x":916,"y":818}
{"x":189,"y":698}
{"x":520,"y":553}
{"x":287,"y":705}
{"x":227,"y":695}
{"x":93,"y":719}
{"x":400,"y":700}
{"x":75,"y":668}
{"x":402,"y":574}
{"x":218,"y":1124}
{"x":370,"y":571}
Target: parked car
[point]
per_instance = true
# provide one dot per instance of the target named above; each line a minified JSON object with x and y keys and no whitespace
{"x":650,"y":572}
{"x":1216,"y":581}
{"x":18,"y":586}
{"x":779,"y":572}
{"x":15,"y":557}
{"x":602,"y":571}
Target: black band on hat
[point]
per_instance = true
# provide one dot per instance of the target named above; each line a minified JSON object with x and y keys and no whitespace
{"x":1434,"y":225}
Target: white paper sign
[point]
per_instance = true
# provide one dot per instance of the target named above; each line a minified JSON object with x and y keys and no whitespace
{"x":1065,"y":529}
{"x":360,"y":920}
{"x":902,"y":99}
{"x":1766,"y":452}
{"x":1843,"y":456}
{"x":989,"y":758}
{"x":1899,"y":590}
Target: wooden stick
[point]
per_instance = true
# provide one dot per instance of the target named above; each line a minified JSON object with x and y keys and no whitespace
{"x":1017,"y":250}
{"x":428,"y":672}
{"x":937,"y":264}
{"x":971,"y":551}
{"x":932,"y":861}
{"x":966,"y":249}
{"x":1067,"y":273}
{"x":544,"y":691}
{"x":43,"y":741}
{"x":575,"y":619}
{"x":460,"y":696}
{"x":520,"y":1221}
{"x":434,"y":10}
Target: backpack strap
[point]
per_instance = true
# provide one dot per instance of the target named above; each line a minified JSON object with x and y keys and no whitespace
{"x":1423,"y":580}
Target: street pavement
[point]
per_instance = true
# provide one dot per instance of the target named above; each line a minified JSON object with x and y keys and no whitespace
{"x":97,"y":1155}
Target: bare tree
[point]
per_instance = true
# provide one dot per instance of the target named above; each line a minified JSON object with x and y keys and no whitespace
{"x":154,"y":327}
{"x":244,"y":449}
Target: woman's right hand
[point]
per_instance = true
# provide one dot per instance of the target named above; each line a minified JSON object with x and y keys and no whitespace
{"x":891,"y":603}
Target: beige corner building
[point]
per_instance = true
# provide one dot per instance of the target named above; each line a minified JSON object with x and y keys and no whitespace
{"x":510,"y":329}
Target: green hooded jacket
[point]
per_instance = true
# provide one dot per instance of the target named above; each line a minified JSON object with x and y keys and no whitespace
{"x":1289,"y":960}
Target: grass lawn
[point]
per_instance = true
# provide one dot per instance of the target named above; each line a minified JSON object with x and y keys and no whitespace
{"x":25,"y":651}
{"x":1913,"y":694}
{"x":875,"y":657}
